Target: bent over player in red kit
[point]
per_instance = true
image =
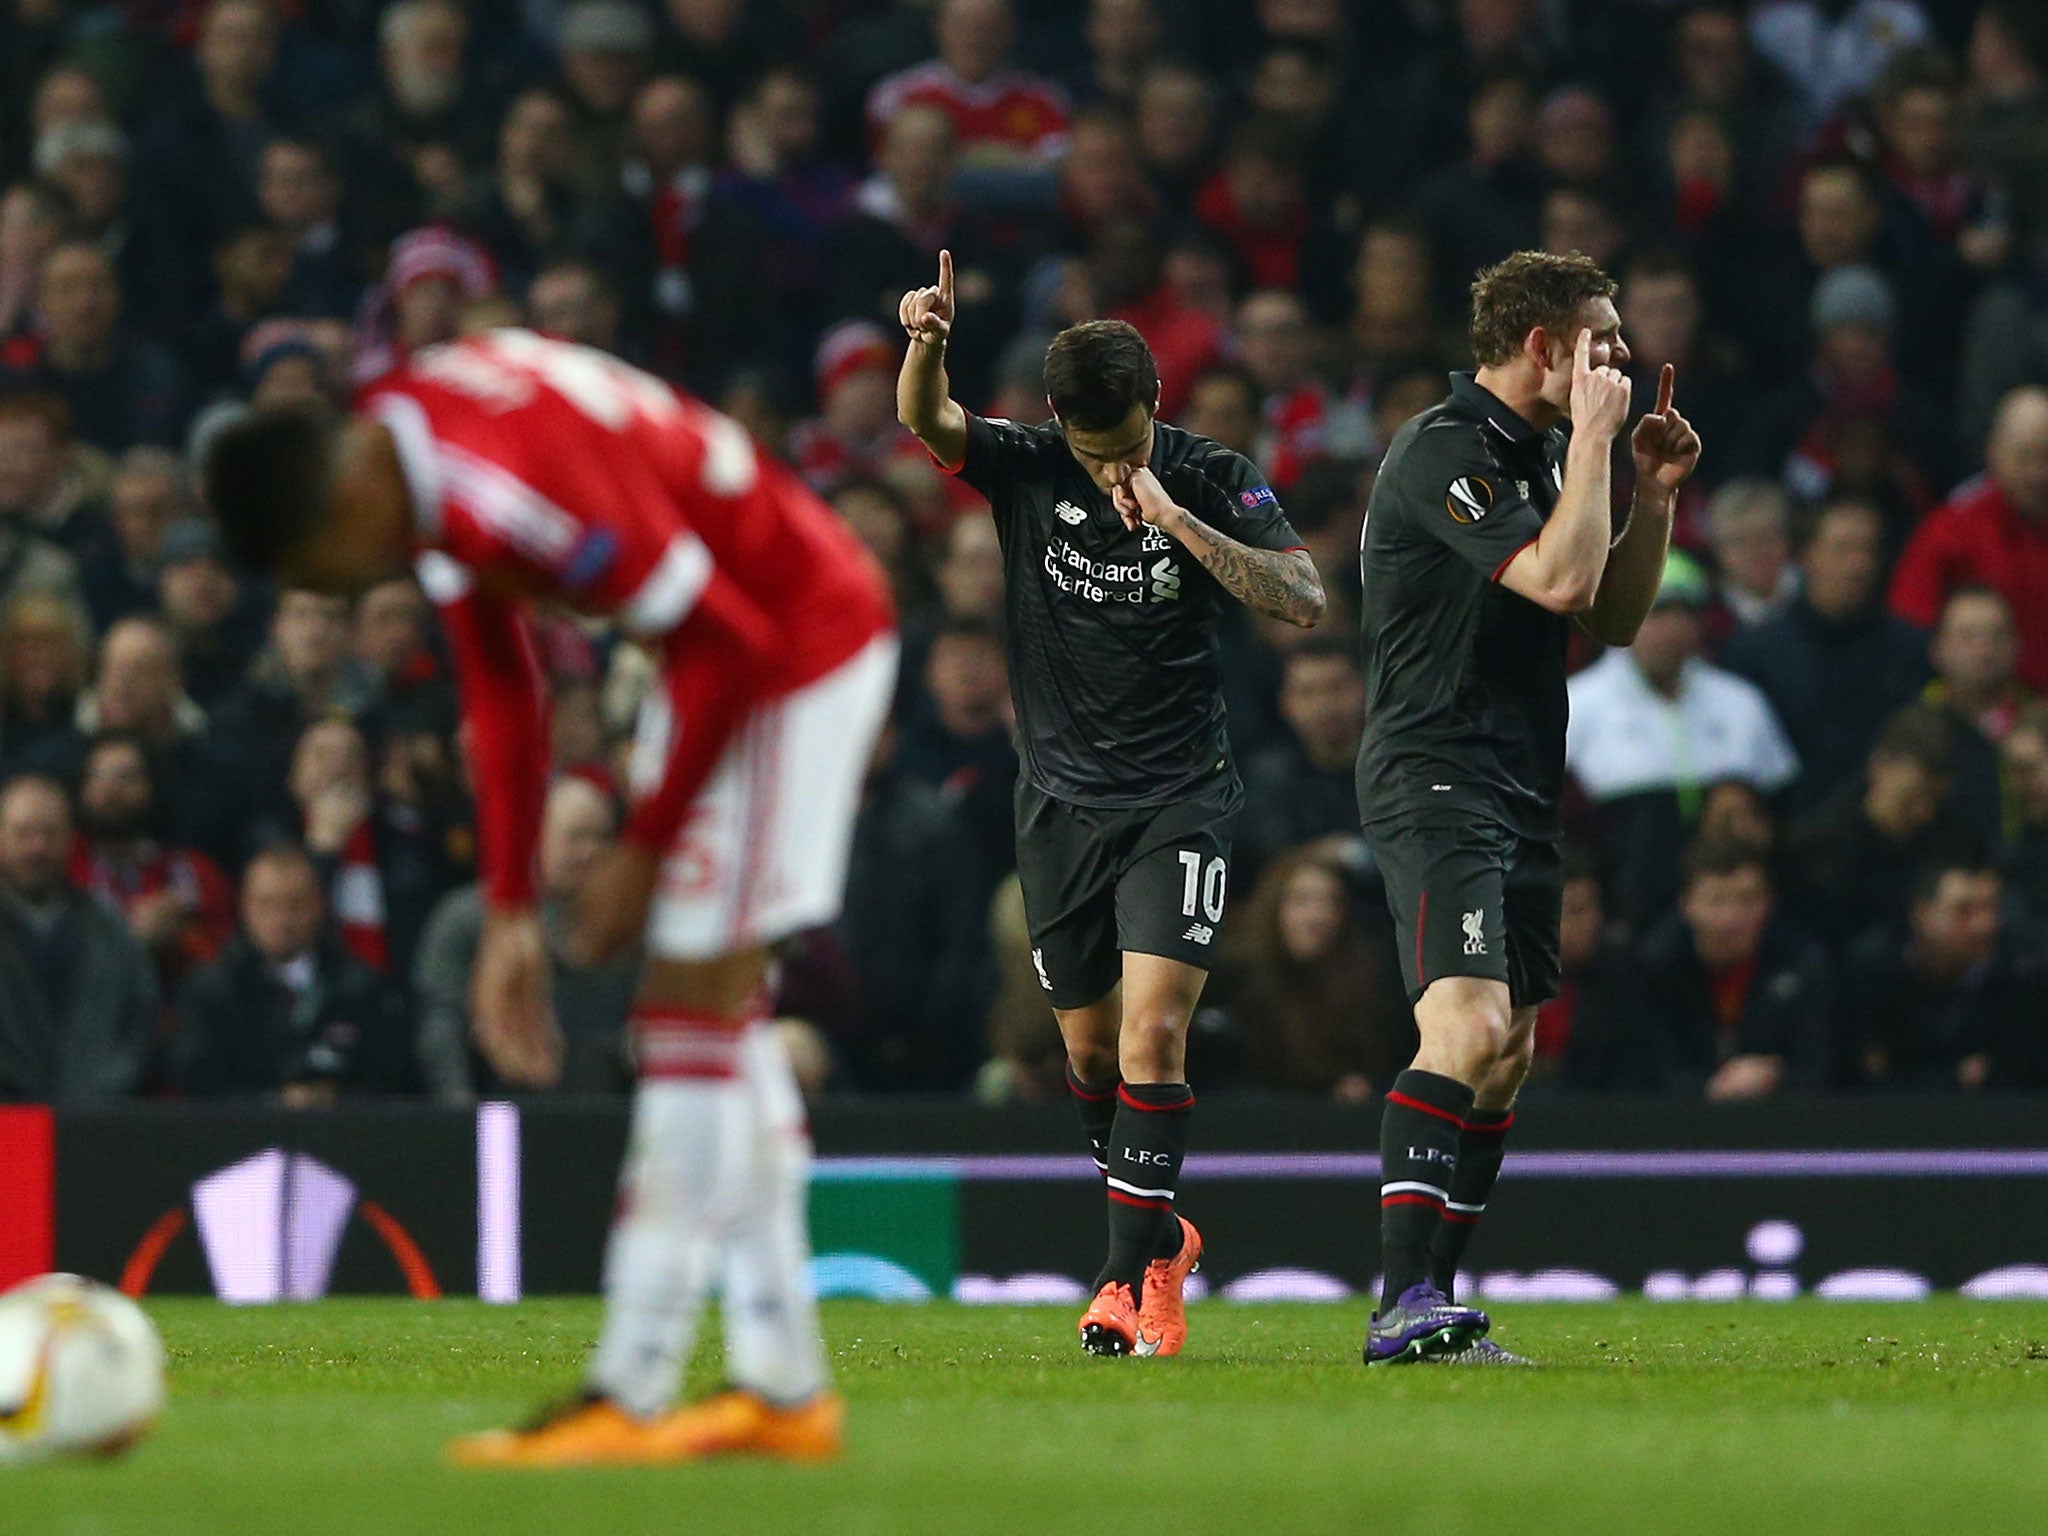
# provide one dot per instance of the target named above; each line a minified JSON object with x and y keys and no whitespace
{"x":513,"y":471}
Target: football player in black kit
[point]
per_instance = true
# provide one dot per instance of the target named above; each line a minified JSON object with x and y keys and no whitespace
{"x":1489,"y":532}
{"x":1121,"y":538}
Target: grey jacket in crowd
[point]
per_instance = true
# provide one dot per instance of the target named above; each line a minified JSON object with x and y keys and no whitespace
{"x":92,"y":1039}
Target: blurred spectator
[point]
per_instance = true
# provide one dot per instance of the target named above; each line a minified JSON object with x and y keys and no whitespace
{"x":32,"y":219}
{"x":1972,"y":652}
{"x":855,"y":434}
{"x":1714,"y":72}
{"x":1918,"y":110}
{"x":45,"y":660}
{"x":591,"y":1002}
{"x":880,"y":520}
{"x":50,"y":489}
{"x":1315,"y":1003}
{"x":1747,"y":523}
{"x":1834,"y":664}
{"x":31,"y":488}
{"x":1806,"y":429}
{"x":606,"y":49}
{"x":1226,"y":404}
{"x":1123,"y":36}
{"x":1575,"y":133}
{"x":1099,"y":178}
{"x":1582,"y":1033}
{"x":428,"y":119}
{"x":306,"y":674}
{"x":1393,"y":321}
{"x":902,"y":216}
{"x":1993,"y":532}
{"x":1176,"y":123}
{"x":215,"y":620}
{"x":960,"y":741}
{"x":1585,"y":220}
{"x":1954,"y":1000}
{"x":1735,"y":1002}
{"x":179,"y":905}
{"x":299,"y":189}
{"x":793,"y":187}
{"x":383,"y":873}
{"x":121,"y":388}
{"x":1304,"y":421}
{"x":252,"y":263}
{"x":1855,"y":854}
{"x":1303,"y":787}
{"x":524,"y":209}
{"x":2024,"y":758}
{"x":433,"y":274}
{"x":1663,"y":315}
{"x":81,"y":992}
{"x":574,"y":300}
{"x":1652,"y":726}
{"x":1258,"y":204}
{"x":285,"y":1011}
{"x":1000,"y":117}
{"x":1831,"y":50}
{"x":197,"y":164}
{"x":150,"y":493}
{"x":1483,"y":209}
{"x":915,"y":931}
{"x":393,"y":640}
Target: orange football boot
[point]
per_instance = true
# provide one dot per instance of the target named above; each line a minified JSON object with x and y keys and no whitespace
{"x":740,"y":1423}
{"x":1163,"y":1319}
{"x":589,"y":1432}
{"x":1110,"y":1325}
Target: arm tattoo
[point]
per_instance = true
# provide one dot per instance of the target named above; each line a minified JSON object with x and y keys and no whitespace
{"x":1282,"y":584}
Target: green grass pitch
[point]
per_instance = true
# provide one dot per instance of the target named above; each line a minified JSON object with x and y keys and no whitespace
{"x":1805,"y":1417}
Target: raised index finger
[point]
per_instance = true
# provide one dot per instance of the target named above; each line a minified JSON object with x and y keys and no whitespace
{"x":1664,"y":383}
{"x":1582,"y":356}
{"x":945,"y":277}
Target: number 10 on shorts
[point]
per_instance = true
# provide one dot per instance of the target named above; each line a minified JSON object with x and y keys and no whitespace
{"x":1207,"y":884}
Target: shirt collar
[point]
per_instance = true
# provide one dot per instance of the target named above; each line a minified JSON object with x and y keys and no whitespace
{"x":1475,"y":399}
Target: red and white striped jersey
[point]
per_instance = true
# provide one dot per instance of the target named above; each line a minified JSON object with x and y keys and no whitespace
{"x":542,"y":472}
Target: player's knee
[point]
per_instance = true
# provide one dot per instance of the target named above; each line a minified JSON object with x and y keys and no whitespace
{"x":1154,"y":1046}
{"x":1092,"y":1061}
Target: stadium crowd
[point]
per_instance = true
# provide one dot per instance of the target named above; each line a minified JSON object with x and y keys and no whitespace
{"x":1809,"y":830}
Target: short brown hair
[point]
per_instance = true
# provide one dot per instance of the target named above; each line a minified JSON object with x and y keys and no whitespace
{"x":1529,"y":289}
{"x":1096,"y":371}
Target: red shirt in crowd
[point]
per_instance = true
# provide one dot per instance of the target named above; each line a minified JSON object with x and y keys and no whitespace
{"x":547,"y":472}
{"x":1008,"y":109}
{"x":129,"y":883}
{"x":1978,"y":538}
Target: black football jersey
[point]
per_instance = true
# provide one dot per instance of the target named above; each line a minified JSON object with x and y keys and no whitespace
{"x":1113,"y":658}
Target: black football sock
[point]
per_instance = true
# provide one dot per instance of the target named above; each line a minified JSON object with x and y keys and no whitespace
{"x":1479,"y":1153}
{"x":1097,"y":1105}
{"x":1146,"y":1146}
{"x":1419,"y":1135}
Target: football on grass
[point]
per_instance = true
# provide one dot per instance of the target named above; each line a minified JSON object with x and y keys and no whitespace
{"x":81,"y":1370}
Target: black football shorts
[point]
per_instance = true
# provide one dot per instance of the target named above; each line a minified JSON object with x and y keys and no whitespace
{"x":1098,"y":882}
{"x":1471,"y":898}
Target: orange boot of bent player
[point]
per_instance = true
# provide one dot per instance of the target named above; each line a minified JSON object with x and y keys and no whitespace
{"x":592,"y":1432}
{"x":1110,"y":1325}
{"x":739,"y":1423}
{"x":1163,"y":1319}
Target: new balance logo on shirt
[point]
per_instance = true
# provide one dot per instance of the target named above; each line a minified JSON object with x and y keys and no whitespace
{"x":1067,"y":512}
{"x":1200,"y":933}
